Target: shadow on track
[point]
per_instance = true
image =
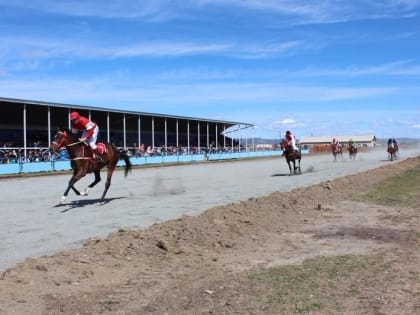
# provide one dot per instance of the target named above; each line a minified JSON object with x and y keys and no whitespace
{"x":85,"y":202}
{"x":282,"y":174}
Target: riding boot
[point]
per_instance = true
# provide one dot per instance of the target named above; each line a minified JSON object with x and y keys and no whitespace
{"x":99,"y":157}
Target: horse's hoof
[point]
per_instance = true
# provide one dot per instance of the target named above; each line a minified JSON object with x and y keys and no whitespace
{"x":62,"y":199}
{"x":83,"y":193}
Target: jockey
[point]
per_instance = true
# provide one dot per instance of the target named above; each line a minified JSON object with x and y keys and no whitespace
{"x":351,"y":143}
{"x":390,"y":142}
{"x":88,"y":128}
{"x":290,"y":139}
{"x":335,"y":143}
{"x":394,"y":142}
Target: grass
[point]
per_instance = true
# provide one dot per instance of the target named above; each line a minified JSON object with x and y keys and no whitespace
{"x":318,"y":285}
{"x":402,"y":190}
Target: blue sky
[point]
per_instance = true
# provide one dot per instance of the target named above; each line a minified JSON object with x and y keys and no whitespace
{"x":315,"y":67}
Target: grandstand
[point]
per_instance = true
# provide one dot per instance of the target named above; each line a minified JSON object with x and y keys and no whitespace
{"x":27,"y":125}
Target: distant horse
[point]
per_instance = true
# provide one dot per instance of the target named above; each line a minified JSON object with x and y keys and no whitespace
{"x":337,"y":151}
{"x":352,"y":152}
{"x":392,"y":151}
{"x":83,"y":161}
{"x":292,"y":157}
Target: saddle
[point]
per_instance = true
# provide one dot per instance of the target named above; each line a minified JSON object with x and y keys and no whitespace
{"x":100,"y":149}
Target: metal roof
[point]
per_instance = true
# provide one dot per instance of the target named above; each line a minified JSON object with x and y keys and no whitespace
{"x":73,"y":106}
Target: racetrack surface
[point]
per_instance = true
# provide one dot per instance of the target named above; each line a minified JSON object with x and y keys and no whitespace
{"x":33,"y":224}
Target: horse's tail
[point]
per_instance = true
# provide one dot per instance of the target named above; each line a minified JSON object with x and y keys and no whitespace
{"x":128,"y":165}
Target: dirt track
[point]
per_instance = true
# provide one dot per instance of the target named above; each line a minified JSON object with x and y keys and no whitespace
{"x":31,"y":223}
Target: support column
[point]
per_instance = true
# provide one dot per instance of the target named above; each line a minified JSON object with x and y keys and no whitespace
{"x":177,"y":134}
{"x":124,"y":134}
{"x":108,"y":132}
{"x":166,"y":134}
{"x":24,"y":129}
{"x":198,"y":134}
{"x":188,"y":133}
{"x":153,"y":132}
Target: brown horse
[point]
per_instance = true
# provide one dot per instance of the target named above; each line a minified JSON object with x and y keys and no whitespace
{"x":292,"y":157}
{"x":83,"y":161}
{"x":392,"y":152}
{"x":352,"y":152}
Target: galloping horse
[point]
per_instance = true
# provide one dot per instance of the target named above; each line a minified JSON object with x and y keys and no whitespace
{"x":83,"y":161}
{"x":352,"y":152}
{"x":392,"y":151}
{"x":291,"y":157}
{"x":337,"y":151}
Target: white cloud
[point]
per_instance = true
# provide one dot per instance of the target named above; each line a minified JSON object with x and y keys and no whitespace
{"x":297,"y":11}
{"x":125,"y":89}
{"x":288,"y":122}
{"x":50,"y":49}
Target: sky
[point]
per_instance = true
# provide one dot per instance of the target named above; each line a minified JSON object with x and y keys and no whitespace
{"x":317,"y":68}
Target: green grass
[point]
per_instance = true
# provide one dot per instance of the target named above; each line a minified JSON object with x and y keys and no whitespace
{"x":402,"y":190}
{"x":318,"y":285}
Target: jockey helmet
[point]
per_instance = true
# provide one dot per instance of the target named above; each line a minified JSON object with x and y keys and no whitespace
{"x":288,"y":132}
{"x":74,"y":115}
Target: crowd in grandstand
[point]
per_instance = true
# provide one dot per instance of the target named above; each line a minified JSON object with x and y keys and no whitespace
{"x":33,"y":155}
{"x":43,"y":154}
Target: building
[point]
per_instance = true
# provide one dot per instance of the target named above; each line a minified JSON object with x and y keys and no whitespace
{"x":28,"y":124}
{"x":323,"y":143}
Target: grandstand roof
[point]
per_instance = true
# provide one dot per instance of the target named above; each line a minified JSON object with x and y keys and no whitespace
{"x":73,"y":106}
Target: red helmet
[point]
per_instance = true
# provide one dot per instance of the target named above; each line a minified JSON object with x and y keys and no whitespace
{"x":74,"y":115}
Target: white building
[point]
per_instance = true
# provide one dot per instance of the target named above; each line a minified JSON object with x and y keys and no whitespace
{"x":361,"y":140}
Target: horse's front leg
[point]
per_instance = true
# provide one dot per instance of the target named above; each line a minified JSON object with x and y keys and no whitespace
{"x":72,"y":181}
{"x":77,"y":174}
{"x":97,"y":180}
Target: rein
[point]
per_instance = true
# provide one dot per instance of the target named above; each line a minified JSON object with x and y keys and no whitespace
{"x":81,"y":158}
{"x":63,"y":139}
{"x":74,"y":143}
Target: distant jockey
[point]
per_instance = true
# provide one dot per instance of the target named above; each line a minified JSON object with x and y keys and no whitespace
{"x":290,"y":139}
{"x":335,"y":143}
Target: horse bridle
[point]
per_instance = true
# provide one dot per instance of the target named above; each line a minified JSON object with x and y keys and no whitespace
{"x":59,"y":144}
